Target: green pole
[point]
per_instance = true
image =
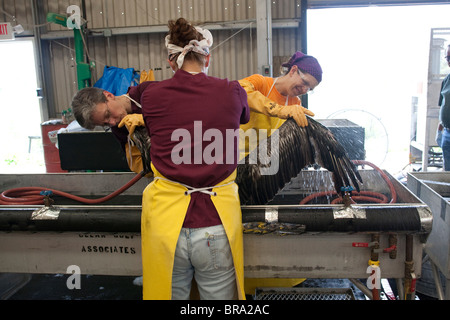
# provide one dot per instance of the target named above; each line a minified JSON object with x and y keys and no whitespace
{"x":83,"y":69}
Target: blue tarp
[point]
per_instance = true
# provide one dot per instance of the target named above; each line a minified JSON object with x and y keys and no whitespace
{"x":117,"y":80}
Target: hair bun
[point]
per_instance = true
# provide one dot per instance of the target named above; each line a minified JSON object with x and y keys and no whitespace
{"x":181,"y":32}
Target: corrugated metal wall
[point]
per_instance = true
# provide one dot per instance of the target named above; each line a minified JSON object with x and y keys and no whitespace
{"x":126,"y":13}
{"x":233,"y":53}
{"x":16,"y":11}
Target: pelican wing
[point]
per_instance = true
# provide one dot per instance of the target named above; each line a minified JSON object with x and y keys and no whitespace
{"x":297,"y":148}
{"x":142,"y":141}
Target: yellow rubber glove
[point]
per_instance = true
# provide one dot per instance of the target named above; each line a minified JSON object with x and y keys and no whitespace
{"x":134,"y":158}
{"x":294,"y":111}
{"x":131,"y":121}
{"x":257,"y":102}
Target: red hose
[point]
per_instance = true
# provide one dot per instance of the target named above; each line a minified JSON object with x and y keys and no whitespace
{"x":367,"y":196}
{"x":383,"y":175}
{"x":318,"y":195}
{"x":31,"y":195}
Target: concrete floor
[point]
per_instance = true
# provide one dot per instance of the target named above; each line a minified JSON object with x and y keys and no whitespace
{"x":54,"y":287}
{"x":96,"y":287}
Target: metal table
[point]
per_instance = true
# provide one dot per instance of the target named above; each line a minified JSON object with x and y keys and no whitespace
{"x":433,"y":188}
{"x":332,"y":241}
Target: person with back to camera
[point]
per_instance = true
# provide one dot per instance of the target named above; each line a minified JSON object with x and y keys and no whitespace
{"x":191,"y":215}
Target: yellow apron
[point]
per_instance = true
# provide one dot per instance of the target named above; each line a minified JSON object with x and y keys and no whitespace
{"x":164,"y":207}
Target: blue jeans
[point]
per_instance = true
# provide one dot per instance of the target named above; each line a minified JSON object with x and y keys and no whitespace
{"x":446,"y":148}
{"x":204,"y":253}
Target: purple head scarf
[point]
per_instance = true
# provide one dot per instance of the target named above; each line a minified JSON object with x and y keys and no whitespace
{"x":305,"y":63}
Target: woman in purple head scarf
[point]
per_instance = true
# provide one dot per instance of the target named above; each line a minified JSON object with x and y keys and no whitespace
{"x":273,"y":100}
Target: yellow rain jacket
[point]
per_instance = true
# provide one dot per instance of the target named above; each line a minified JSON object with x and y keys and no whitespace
{"x":147,"y":76}
{"x":164,"y":206}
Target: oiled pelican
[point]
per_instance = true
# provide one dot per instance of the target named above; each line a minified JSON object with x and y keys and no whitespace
{"x":298,"y":148}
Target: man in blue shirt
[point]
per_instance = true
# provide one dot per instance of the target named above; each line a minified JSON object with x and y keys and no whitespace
{"x":444,"y":116}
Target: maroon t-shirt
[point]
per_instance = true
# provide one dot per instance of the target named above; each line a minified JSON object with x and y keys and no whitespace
{"x":193,"y":121}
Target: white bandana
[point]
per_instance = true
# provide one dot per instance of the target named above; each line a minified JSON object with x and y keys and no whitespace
{"x":201,"y":47}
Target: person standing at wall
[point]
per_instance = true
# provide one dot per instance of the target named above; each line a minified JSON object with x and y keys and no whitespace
{"x":444,"y":116}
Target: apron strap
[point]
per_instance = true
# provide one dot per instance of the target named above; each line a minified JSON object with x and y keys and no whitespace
{"x":287,"y":97}
{"x":135,"y":102}
{"x":192,"y":189}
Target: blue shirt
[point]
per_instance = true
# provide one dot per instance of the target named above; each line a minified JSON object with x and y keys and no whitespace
{"x":444,"y":102}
